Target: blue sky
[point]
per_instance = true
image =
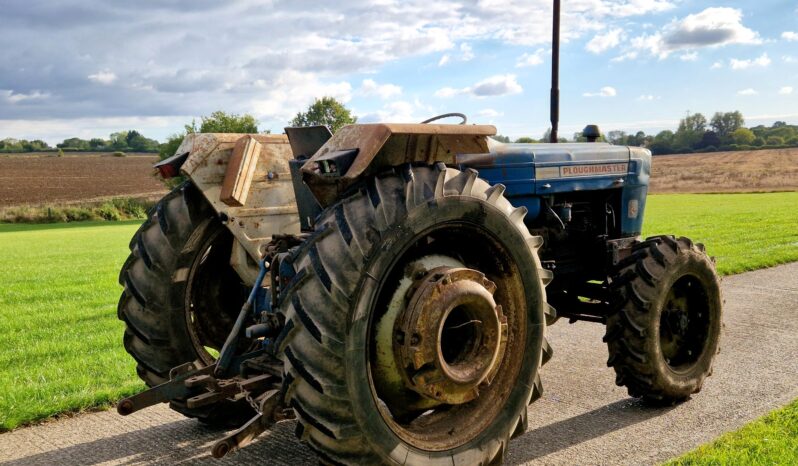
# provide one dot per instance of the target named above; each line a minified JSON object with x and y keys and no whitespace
{"x":90,"y":67}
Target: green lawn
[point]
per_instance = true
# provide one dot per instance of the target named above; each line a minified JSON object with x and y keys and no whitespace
{"x":743,"y":231}
{"x":768,"y":441}
{"x":61,"y":343}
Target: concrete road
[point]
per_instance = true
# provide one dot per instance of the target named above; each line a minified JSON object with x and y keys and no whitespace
{"x":583,"y":417}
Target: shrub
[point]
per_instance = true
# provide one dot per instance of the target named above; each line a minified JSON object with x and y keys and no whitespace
{"x":119,"y":154}
{"x":775,"y":141}
{"x":115,"y":209}
{"x":108,"y":211}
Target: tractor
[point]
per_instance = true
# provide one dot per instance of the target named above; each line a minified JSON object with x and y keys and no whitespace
{"x":390,"y":286}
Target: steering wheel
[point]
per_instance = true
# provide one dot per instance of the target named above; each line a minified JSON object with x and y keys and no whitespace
{"x":447,"y":115}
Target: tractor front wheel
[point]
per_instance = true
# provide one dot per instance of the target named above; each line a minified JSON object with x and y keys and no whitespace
{"x":665,"y":330}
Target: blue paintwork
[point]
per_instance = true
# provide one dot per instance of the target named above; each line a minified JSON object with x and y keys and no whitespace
{"x":533,"y":171}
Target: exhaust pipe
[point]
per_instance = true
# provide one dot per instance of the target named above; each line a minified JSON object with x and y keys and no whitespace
{"x":555,"y":73}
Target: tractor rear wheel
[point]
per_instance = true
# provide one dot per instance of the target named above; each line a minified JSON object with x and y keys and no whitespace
{"x":665,"y":331}
{"x":415,"y":323}
{"x":181,"y":296}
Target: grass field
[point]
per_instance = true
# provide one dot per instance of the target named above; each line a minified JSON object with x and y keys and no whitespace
{"x":743,"y":231}
{"x":60,"y":340}
{"x":768,"y":441}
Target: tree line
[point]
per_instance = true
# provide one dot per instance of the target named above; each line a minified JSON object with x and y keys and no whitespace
{"x":725,"y":131}
{"x":122,"y":141}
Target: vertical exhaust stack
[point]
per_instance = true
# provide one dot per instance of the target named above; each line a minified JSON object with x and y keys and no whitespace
{"x":555,"y":73}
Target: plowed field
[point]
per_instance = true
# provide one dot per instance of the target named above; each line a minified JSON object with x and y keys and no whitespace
{"x":726,"y":172}
{"x":30,"y":179}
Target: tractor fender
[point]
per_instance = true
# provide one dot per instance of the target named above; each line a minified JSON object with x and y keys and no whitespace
{"x":247,"y":181}
{"x":381,"y":146}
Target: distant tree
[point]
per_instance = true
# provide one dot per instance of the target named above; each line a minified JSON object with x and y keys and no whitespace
{"x":525,"y":140}
{"x":779,"y":124}
{"x":501,"y":138}
{"x":325,"y":111}
{"x":724,"y":124}
{"x":221,"y":122}
{"x":118,"y":140}
{"x":691,"y":130}
{"x":97,"y":143}
{"x":709,"y":139}
{"x":617,"y":137}
{"x":74,"y":144}
{"x":694,"y":122}
{"x":775,"y":141}
{"x":662,"y":143}
{"x":758,"y":142}
{"x":743,"y":136}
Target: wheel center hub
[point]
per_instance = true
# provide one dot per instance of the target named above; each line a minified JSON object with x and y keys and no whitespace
{"x":449,"y":338}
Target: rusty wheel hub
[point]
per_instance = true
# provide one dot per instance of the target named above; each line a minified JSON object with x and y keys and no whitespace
{"x":449,"y":338}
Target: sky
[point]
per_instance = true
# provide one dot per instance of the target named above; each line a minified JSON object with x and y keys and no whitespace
{"x":88,"y":68}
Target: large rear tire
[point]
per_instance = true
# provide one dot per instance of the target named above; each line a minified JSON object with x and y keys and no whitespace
{"x":345,"y":276}
{"x":665,"y":332}
{"x":181,"y":296}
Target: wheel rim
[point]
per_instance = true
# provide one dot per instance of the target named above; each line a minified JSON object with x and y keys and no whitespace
{"x":453,"y":415}
{"x":685,"y":324}
{"x":214,"y":295}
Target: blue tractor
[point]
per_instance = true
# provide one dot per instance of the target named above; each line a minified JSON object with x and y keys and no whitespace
{"x":390,"y":286}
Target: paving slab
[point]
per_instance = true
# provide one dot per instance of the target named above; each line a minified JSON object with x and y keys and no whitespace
{"x":583,"y":418}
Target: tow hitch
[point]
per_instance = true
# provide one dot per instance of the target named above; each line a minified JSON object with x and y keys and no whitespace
{"x":255,"y":376}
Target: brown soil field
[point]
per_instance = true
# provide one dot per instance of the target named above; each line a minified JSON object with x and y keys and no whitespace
{"x":44,"y":179}
{"x":726,"y":172}
{"x":32,"y":179}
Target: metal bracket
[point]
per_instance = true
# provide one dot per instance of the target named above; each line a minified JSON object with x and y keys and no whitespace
{"x":175,"y":388}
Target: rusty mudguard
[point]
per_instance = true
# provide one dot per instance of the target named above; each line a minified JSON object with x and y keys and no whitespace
{"x":381,"y":146}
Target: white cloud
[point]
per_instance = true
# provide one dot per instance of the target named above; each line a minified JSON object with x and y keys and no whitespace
{"x":399,"y":112}
{"x":103,"y":77}
{"x":786,"y":90}
{"x":606,"y":91}
{"x":489,"y":113}
{"x":789,"y":59}
{"x":531,"y":59}
{"x":494,"y":86}
{"x":689,"y":56}
{"x":647,"y":98}
{"x":292,"y":91}
{"x":717,"y":65}
{"x":790,"y":36}
{"x":602,"y":42}
{"x":446,"y":92}
{"x":384,"y":91}
{"x":762,"y":62}
{"x":712,"y":27}
{"x":466,"y":54}
{"x":748,"y":92}
{"x":16,"y":97}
